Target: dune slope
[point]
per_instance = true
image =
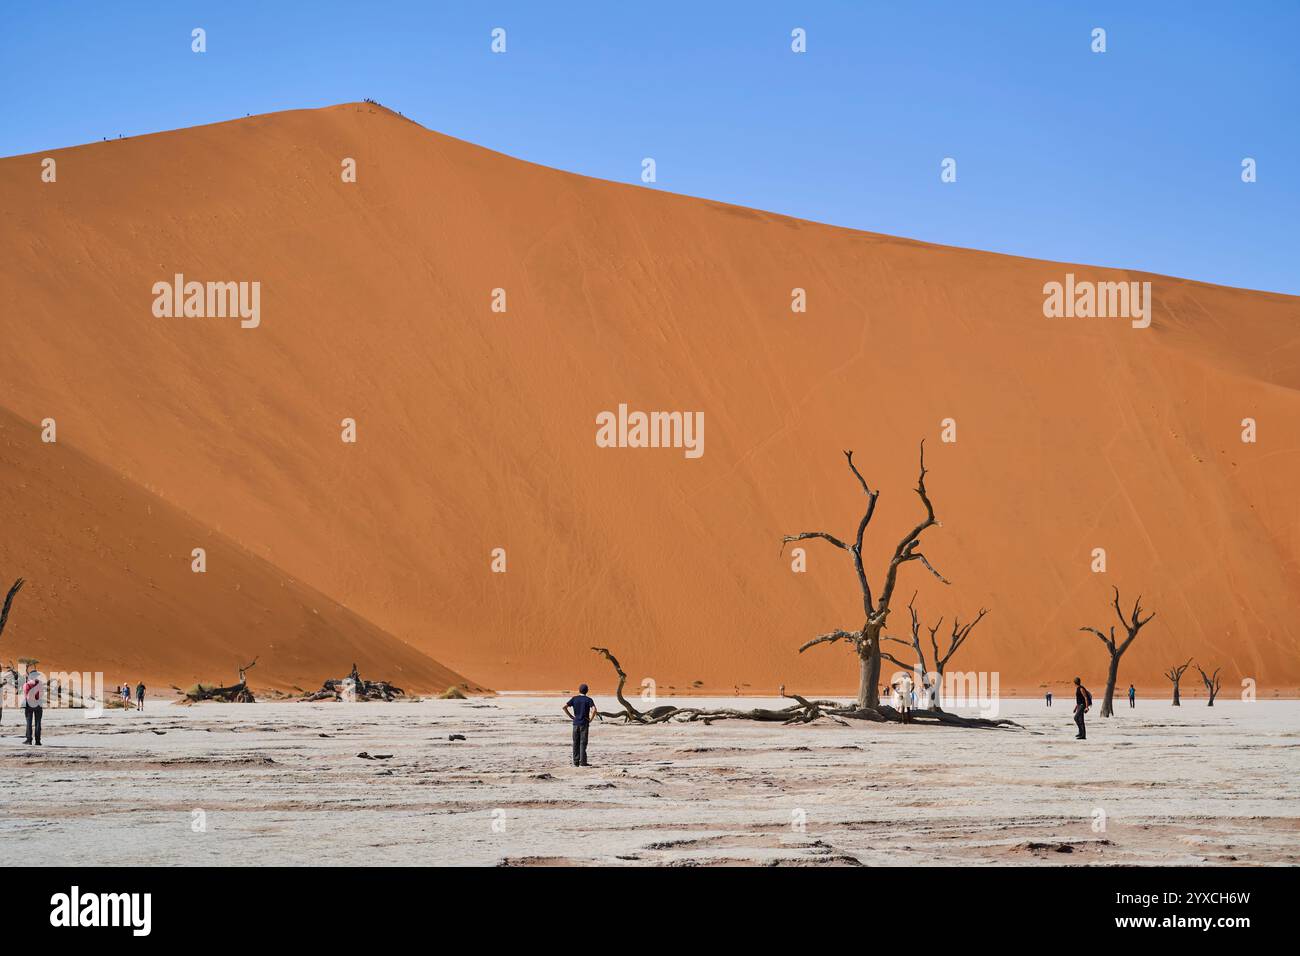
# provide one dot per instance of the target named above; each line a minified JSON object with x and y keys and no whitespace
{"x":109,"y":587}
{"x":476,"y":429}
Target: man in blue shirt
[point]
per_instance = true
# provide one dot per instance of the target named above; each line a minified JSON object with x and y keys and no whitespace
{"x":580,"y":710}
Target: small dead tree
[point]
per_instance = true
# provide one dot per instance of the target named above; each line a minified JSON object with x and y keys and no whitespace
{"x":233,"y":694}
{"x":1175,"y":674}
{"x":867,"y":639}
{"x":1211,"y":682}
{"x":932,"y":680}
{"x":1131,"y":624}
{"x":353,"y":689}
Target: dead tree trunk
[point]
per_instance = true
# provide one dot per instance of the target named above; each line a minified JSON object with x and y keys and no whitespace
{"x":866,"y":640}
{"x":1132,"y":625}
{"x":1175,"y":674}
{"x":1211,"y":682}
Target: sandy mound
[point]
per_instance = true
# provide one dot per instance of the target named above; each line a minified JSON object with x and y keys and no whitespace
{"x":476,"y":429}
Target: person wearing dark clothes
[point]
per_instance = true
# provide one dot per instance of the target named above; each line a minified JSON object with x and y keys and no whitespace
{"x":139,"y":696}
{"x":33,"y":706}
{"x":1132,"y":696}
{"x":1082,"y":704}
{"x":1049,"y":698}
{"x":580,"y":709}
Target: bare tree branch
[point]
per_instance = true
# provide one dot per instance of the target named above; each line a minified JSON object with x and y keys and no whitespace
{"x":9,"y":600}
{"x":831,"y":638}
{"x":805,"y":535}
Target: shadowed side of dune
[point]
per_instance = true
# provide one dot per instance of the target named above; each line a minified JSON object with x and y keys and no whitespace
{"x":110,"y":587}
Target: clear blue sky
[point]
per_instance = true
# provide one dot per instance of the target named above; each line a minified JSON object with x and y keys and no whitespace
{"x":1130,"y":158}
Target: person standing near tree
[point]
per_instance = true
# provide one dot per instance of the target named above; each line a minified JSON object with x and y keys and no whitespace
{"x":1082,"y":704}
{"x":1132,"y":696}
{"x":33,"y":706}
{"x":579,"y":709}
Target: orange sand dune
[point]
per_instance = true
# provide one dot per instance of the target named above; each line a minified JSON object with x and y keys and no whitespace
{"x":109,"y":588}
{"x":476,"y":429}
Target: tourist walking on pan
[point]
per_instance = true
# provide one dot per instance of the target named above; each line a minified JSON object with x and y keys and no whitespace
{"x":1132,"y":696}
{"x":33,"y":706}
{"x":1082,"y":704}
{"x":139,"y":696}
{"x":1049,"y":698}
{"x":126,"y":695}
{"x":580,"y":709}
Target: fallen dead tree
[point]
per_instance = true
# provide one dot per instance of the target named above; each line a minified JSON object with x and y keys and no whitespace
{"x":354,"y":688}
{"x":802,"y":711}
{"x":233,"y":694}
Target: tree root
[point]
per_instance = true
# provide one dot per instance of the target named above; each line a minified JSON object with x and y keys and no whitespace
{"x":802,"y":711}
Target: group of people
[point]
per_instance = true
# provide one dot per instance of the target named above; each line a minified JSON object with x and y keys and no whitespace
{"x":33,"y":698}
{"x":125,"y":692}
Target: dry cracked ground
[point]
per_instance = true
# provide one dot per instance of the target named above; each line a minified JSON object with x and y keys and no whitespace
{"x":289,"y":783}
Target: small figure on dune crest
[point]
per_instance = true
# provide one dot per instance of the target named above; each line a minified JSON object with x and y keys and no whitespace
{"x":579,"y":709}
{"x":1082,"y":704}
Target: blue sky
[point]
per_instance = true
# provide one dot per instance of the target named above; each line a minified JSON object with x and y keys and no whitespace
{"x":1129,"y":158}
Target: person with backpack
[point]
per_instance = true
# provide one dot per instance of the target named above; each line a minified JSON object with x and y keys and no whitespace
{"x":1082,"y":704}
{"x":33,"y":706}
{"x":579,"y":709}
{"x":1132,"y":696}
{"x":139,"y":696}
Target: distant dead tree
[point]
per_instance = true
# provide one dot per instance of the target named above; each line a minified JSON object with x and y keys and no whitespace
{"x":232,"y":694}
{"x":866,"y":640}
{"x":932,"y":678}
{"x":1211,"y":682}
{"x":9,"y":602}
{"x":1132,"y":624}
{"x":1175,"y":674}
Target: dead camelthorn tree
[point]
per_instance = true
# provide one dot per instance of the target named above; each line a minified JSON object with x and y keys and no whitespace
{"x":866,"y":639}
{"x":933,"y":679}
{"x":1131,"y":624}
{"x":1175,"y":674}
{"x":1211,"y":682}
{"x":233,"y":694}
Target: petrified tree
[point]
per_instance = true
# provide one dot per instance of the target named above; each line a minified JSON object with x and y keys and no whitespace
{"x":1211,"y":682}
{"x":1175,"y":674}
{"x":866,"y":639}
{"x":233,"y":694}
{"x":353,"y":688}
{"x":932,"y":680}
{"x":1131,"y":624}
